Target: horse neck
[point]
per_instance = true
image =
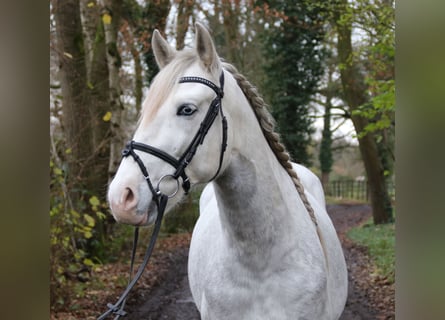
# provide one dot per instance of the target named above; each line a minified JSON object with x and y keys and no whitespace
{"x":256,"y":197}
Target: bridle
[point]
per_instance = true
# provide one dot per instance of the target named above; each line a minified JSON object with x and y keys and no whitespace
{"x":180,"y":165}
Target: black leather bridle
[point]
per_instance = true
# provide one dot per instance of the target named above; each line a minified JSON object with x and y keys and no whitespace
{"x":180,"y":165}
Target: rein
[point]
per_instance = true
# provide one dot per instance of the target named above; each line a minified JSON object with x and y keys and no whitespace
{"x":180,"y":165}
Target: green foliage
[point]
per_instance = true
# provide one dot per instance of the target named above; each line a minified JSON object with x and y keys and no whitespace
{"x":292,"y":46}
{"x":377,"y":53}
{"x":380,"y":241}
{"x":380,"y":110}
{"x":70,"y":230}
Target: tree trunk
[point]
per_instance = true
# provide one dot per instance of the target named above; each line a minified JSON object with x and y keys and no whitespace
{"x":129,"y":38}
{"x":76,"y":122}
{"x":99,"y":105}
{"x":89,"y":16}
{"x":325,"y":156}
{"x":185,"y":9}
{"x":231,"y":15}
{"x":85,"y":101}
{"x":111,"y":14}
{"x":155,"y":17}
{"x":354,"y":89}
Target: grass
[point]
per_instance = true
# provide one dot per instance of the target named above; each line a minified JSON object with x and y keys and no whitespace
{"x":380,"y":241}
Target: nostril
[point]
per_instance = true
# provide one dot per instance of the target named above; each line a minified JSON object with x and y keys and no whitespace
{"x":130,"y":195}
{"x":129,"y":198}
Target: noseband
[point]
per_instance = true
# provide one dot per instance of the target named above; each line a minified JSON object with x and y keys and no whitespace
{"x":180,"y":165}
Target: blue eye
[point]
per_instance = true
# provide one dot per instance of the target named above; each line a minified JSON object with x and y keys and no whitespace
{"x":186,"y":110}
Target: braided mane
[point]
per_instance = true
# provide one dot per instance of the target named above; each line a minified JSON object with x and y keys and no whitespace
{"x":267,"y":124}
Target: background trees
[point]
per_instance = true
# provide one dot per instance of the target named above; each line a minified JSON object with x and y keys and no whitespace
{"x":293,"y":67}
{"x":368,"y":88}
{"x":90,"y":111}
{"x":338,"y":55}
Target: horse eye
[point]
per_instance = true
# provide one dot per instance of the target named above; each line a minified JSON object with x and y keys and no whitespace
{"x":186,"y":110}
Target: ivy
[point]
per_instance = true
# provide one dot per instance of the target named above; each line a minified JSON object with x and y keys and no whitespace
{"x":293,"y":68}
{"x":69,"y":232}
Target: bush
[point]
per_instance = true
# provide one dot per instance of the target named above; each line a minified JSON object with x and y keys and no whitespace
{"x":70,"y":233}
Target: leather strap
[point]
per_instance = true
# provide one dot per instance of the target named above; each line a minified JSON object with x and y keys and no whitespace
{"x":118,"y":307}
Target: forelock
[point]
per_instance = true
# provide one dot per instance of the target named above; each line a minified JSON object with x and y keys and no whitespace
{"x":164,"y":82}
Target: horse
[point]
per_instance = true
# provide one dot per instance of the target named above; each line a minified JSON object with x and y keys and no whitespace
{"x":263,"y":246}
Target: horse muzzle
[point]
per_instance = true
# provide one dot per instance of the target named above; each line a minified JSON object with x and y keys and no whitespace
{"x":127,"y":205}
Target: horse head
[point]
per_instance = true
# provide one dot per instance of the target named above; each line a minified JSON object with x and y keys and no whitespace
{"x":181,"y":135}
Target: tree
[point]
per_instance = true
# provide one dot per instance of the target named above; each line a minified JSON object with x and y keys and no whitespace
{"x":111,"y":18}
{"x":356,"y":95}
{"x":154,"y":16}
{"x":88,"y":121}
{"x":325,"y":156}
{"x":292,"y":46}
{"x":185,"y":11}
{"x":376,"y":20}
{"x":329,"y":96}
{"x":80,"y":149}
{"x":85,"y":98}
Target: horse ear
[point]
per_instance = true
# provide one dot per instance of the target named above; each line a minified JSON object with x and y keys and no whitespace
{"x":164,"y":53}
{"x":205,"y":47}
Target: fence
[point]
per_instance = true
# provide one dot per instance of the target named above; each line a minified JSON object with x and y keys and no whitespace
{"x":352,"y":189}
{"x":349,"y":189}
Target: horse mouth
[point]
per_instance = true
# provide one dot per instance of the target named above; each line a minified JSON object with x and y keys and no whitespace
{"x":143,"y":221}
{"x":146,"y":217}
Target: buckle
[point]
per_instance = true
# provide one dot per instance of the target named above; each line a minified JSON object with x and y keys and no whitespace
{"x":127,"y":150}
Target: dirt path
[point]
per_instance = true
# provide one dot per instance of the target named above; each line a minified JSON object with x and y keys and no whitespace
{"x":171,"y":299}
{"x":344,"y":217}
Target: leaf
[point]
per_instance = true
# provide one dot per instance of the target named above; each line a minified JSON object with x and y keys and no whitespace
{"x":68,"y":55}
{"x":88,"y":262}
{"x":87,"y":234}
{"x":75,"y":214}
{"x":89,"y":219}
{"x":100,"y":215}
{"x":106,"y":18}
{"x":90,"y":85}
{"x":53,"y":212}
{"x":68,"y":151}
{"x":94,"y":201}
{"x":107,"y":116}
{"x":90,"y":4}
{"x":57,"y":171}
{"x":77,"y":255}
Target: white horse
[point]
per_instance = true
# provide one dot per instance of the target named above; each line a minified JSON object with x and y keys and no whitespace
{"x":256,"y":252}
